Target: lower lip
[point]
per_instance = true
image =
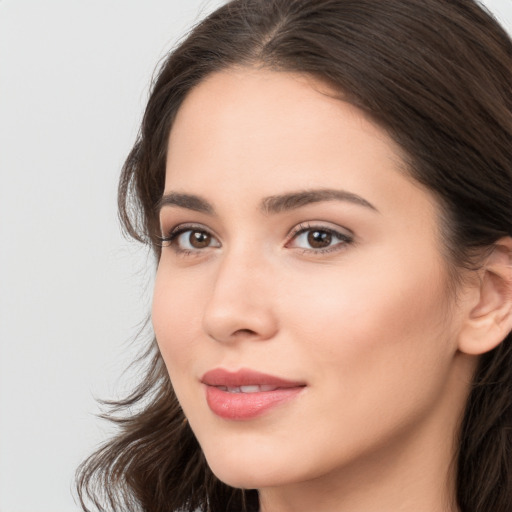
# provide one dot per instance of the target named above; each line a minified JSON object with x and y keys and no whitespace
{"x":245,"y":406}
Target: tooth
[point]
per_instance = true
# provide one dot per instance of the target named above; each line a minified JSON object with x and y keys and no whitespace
{"x":249,"y":389}
{"x":268,"y":387}
{"x":222,"y":388}
{"x":233,"y":389}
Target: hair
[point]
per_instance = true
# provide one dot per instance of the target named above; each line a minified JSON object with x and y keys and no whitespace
{"x":436,"y":75}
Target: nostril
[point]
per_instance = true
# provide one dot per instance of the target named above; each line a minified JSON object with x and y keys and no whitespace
{"x":244,"y":331}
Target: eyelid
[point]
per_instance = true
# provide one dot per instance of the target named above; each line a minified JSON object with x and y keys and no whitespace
{"x":177,"y":230}
{"x":321,"y":226}
{"x":344,"y":235}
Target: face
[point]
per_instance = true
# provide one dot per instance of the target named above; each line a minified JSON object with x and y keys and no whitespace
{"x":301,"y":298}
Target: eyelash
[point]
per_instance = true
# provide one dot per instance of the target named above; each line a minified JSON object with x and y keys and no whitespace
{"x":344,"y":238}
{"x":171,"y":239}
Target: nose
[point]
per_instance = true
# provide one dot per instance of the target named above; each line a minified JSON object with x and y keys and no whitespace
{"x":240,"y":305}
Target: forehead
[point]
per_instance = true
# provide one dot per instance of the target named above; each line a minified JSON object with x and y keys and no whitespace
{"x":273,"y":105}
{"x":265,"y":132}
{"x":258,"y":120}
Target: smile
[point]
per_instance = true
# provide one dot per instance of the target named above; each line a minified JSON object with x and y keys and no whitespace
{"x":246,"y":389}
{"x":246,"y":394}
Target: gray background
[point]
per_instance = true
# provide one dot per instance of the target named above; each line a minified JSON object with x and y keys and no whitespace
{"x":73,"y":82}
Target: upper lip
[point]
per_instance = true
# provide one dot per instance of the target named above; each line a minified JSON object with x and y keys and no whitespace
{"x":245,"y":377}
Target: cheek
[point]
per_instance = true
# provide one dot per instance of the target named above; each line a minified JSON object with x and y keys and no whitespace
{"x":378,"y":353}
{"x":176,"y":317}
{"x":373,"y":326}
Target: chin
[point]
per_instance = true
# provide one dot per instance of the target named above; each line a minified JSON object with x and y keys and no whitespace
{"x":248,"y":471}
{"x":246,"y":476}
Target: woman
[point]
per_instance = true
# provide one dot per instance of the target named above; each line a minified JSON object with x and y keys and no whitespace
{"x":327,"y":187}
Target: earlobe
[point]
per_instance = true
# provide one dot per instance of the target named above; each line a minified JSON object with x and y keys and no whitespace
{"x":490,"y":320}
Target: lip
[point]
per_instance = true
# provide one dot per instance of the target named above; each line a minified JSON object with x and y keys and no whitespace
{"x":246,"y":406}
{"x":245,"y":377}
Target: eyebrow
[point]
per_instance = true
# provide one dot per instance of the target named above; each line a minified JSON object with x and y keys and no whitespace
{"x":294,"y":200}
{"x":269,"y":205}
{"x":188,"y":201}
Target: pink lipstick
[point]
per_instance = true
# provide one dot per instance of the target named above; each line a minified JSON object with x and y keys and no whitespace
{"x":246,"y":394}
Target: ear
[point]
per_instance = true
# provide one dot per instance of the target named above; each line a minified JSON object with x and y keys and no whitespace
{"x":490,"y":320}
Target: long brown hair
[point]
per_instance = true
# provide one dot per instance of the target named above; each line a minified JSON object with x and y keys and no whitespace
{"x":436,"y":75}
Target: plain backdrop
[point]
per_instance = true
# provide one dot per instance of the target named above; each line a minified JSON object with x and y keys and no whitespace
{"x":74,"y":76}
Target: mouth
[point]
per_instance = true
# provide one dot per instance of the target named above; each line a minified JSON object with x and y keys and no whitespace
{"x":246,"y":394}
{"x":247,"y":389}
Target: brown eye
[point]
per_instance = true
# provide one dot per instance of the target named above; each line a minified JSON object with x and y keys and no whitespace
{"x":188,"y":240}
{"x":199,"y":239}
{"x":319,"y":239}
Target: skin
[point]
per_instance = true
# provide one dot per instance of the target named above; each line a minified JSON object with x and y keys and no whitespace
{"x":370,"y":326}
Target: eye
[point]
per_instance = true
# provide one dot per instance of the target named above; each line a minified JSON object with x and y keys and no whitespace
{"x":318,"y":239}
{"x":188,"y":239}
